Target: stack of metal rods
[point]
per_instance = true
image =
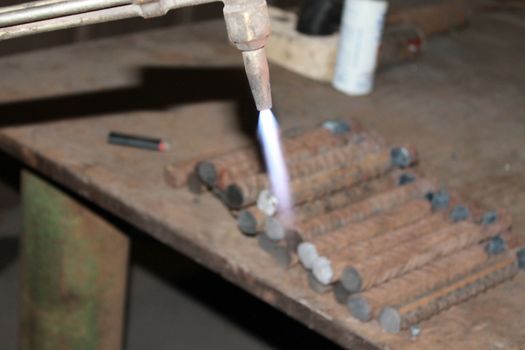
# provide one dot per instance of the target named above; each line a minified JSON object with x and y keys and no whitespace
{"x":388,"y":243}
{"x":496,"y":270}
{"x":220,"y":171}
{"x":441,"y":272}
{"x":252,"y":218}
{"x":407,"y":263}
{"x":411,"y":261}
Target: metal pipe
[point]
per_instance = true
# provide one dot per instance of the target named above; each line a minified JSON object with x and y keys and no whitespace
{"x":56,"y":10}
{"x":57,"y":22}
{"x":28,"y":5}
{"x":107,"y":15}
{"x":234,"y":13}
{"x":41,"y":3}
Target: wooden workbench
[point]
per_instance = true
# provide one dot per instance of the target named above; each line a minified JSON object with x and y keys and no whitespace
{"x":462,"y":105}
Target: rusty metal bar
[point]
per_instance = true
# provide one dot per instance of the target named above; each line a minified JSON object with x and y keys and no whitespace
{"x":335,"y":158}
{"x":331,"y":260}
{"x":410,"y":255}
{"x":339,"y":157}
{"x":330,"y":268}
{"x":351,"y":195}
{"x":74,"y":270}
{"x":320,"y":139}
{"x":251,"y":220}
{"x":395,"y":318}
{"x":331,"y":242}
{"x":367,"y":305}
{"x":224,"y":167}
{"x":376,"y":245}
{"x":360,"y":210}
{"x":366,"y":168}
{"x":244,"y":190}
{"x":342,"y":199}
{"x":245,"y":193}
{"x":222,"y":170}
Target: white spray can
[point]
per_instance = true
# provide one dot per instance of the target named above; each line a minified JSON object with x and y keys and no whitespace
{"x":361,"y":30}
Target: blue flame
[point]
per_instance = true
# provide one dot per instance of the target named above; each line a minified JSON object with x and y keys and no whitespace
{"x":269,"y":137}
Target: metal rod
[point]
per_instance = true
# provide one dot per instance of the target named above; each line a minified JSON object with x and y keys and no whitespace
{"x":221,"y":171}
{"x":345,"y":197}
{"x":28,"y":5}
{"x":65,"y":8}
{"x":395,"y":318}
{"x":357,"y":147}
{"x":106,"y":15}
{"x":338,"y":200}
{"x":333,"y":243}
{"x":350,"y":150}
{"x":146,"y":10}
{"x":339,"y":218}
{"x":410,"y":286}
{"x":378,"y":244}
{"x":237,"y":163}
{"x":246,"y":191}
{"x":254,"y":220}
{"x":414,"y":254}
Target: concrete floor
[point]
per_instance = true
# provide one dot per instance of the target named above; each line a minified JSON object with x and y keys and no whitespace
{"x":173,"y":303}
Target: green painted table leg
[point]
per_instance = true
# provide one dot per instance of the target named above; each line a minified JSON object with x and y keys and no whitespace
{"x":74,"y":271}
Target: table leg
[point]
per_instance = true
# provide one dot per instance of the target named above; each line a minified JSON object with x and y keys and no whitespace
{"x":74,"y":272}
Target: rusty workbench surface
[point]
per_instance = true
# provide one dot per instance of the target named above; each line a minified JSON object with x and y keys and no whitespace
{"x":462,"y":106}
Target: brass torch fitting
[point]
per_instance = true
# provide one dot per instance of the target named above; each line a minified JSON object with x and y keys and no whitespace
{"x":248,"y":25}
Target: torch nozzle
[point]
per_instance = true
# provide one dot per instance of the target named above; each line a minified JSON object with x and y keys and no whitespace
{"x":256,"y":66}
